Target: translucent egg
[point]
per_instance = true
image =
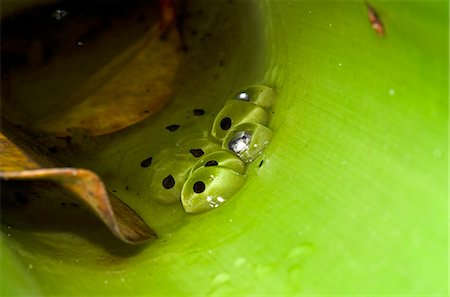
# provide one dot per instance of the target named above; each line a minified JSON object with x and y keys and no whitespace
{"x":234,"y":113}
{"x":169,"y":176}
{"x":209,"y":187}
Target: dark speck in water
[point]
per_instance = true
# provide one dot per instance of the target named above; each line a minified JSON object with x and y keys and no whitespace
{"x":173,"y":127}
{"x":199,"y":112}
{"x":53,"y":149}
{"x":20,"y":198}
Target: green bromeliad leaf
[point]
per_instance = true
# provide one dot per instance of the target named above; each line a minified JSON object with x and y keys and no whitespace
{"x":349,"y":197}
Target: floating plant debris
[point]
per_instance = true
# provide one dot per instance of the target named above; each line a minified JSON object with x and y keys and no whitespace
{"x":59,"y":14}
{"x":375,"y":20}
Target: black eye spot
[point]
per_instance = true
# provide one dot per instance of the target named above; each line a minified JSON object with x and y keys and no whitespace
{"x":211,"y":163}
{"x":225,"y":123}
{"x":168,"y":182}
{"x":260,"y":163}
{"x":146,"y":163}
{"x":199,"y":187}
{"x":173,"y":128}
{"x":196,"y":152}
{"x":20,"y":198}
{"x":199,"y":112}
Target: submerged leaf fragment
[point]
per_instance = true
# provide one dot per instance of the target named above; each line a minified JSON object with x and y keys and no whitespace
{"x":133,"y":86}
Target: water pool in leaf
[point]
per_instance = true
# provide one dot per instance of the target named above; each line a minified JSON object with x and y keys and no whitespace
{"x":134,"y":160}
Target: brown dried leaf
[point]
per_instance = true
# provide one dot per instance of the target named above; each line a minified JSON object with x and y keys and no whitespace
{"x":124,"y":223}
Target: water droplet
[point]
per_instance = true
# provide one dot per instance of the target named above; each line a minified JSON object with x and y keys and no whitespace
{"x":264,"y":270}
{"x":215,"y":202}
{"x":240,"y":261}
{"x":79,"y":43}
{"x":106,"y":281}
{"x":437,"y":153}
{"x":340,"y":64}
{"x":9,"y":227}
{"x":309,"y":11}
{"x":391,"y":92}
{"x":77,"y":260}
{"x":330,"y":25}
{"x":122,"y":279}
{"x":299,"y":251}
{"x":30,"y":266}
{"x":221,"y":278}
{"x":59,"y":14}
{"x":9,"y":234}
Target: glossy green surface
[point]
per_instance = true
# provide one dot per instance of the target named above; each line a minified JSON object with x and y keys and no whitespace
{"x":351,"y":197}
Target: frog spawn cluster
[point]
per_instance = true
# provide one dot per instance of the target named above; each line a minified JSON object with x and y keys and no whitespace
{"x":212,"y":170}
